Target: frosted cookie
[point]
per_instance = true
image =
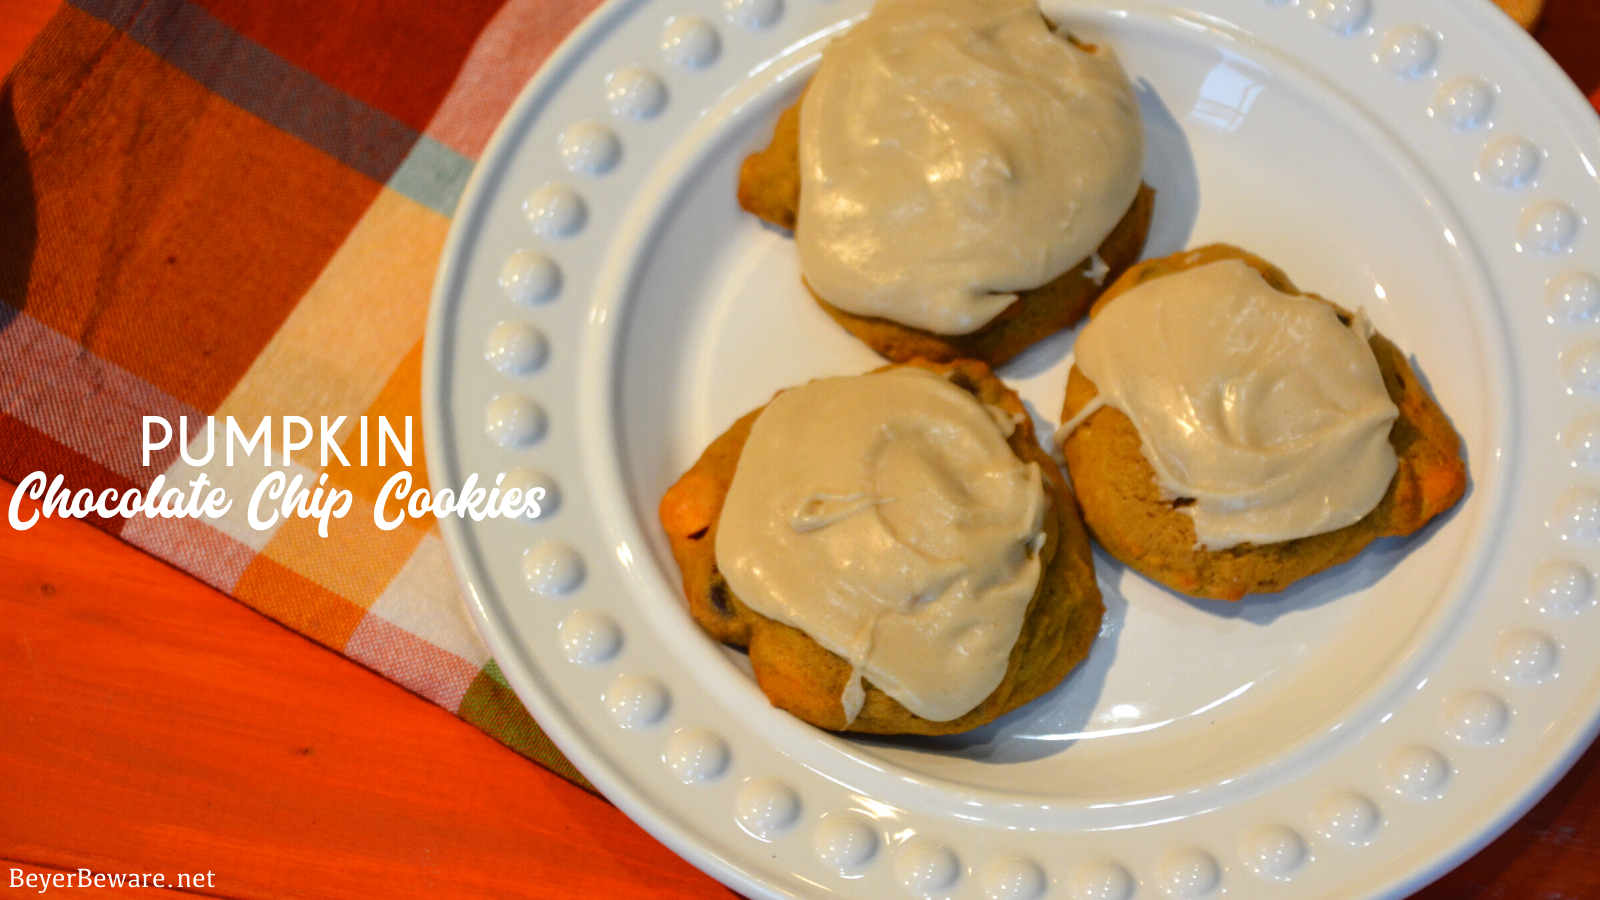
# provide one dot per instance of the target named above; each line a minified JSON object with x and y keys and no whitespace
{"x":895,"y":550}
{"x":1228,"y":434}
{"x":961,"y":179}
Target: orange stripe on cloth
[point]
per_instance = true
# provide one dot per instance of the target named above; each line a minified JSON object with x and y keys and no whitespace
{"x":356,"y":560}
{"x":298,"y":602}
{"x":401,"y":396}
{"x":1525,"y":12}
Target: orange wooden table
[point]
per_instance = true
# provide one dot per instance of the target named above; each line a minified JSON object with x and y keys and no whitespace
{"x":143,"y":729}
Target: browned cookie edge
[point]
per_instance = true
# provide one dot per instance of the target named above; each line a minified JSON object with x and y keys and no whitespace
{"x":1124,"y":511}
{"x":769,"y":187}
{"x":798,"y":675}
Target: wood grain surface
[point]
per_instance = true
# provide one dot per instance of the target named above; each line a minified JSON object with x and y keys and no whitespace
{"x":146,"y":727}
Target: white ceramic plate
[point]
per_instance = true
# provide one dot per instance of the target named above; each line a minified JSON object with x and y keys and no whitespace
{"x":604,"y":310}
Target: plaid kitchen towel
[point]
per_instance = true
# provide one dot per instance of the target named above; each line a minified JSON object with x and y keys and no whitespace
{"x":235,"y":208}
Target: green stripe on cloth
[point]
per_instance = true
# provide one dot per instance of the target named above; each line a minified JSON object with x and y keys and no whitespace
{"x":490,"y":705}
{"x":433,"y":175}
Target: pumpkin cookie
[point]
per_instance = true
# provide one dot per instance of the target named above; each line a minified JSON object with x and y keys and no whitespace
{"x":769,"y":187}
{"x":1126,"y":512}
{"x":962,"y":178}
{"x":799,"y":675}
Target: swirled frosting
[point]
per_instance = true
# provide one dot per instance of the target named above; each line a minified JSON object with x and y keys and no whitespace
{"x":953,"y":152}
{"x":885,"y":516}
{"x":1262,"y":407}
